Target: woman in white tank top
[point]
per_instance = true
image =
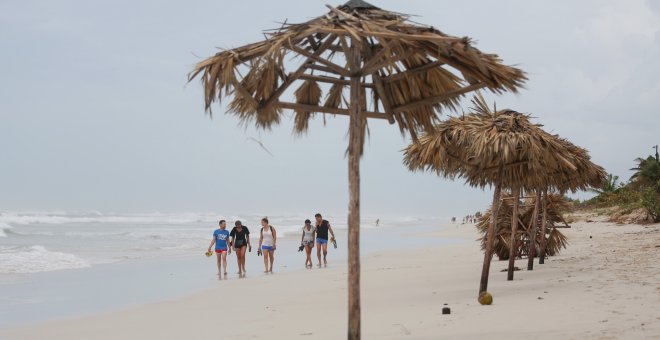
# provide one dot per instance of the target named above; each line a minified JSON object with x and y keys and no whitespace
{"x":308,"y":241}
{"x":267,"y":241}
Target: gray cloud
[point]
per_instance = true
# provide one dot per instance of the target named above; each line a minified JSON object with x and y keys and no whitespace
{"x":95,"y":112}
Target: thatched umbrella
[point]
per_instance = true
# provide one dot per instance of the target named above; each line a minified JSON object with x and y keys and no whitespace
{"x":556,"y":206}
{"x":501,"y":148}
{"x":588,"y":174}
{"x":405,"y":71}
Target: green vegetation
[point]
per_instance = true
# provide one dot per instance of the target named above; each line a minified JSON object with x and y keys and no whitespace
{"x":641,"y":193}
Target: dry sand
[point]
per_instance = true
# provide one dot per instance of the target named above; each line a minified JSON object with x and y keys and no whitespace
{"x":603,"y":287}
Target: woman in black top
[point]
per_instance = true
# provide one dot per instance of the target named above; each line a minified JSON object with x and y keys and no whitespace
{"x":240,"y":240}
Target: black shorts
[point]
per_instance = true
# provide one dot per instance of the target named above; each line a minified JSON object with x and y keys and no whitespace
{"x":240,"y":243}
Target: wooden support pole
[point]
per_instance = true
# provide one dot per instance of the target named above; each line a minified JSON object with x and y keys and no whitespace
{"x":514,"y":239}
{"x":544,"y":222}
{"x":490,"y":237}
{"x":533,"y":231}
{"x":356,"y":130}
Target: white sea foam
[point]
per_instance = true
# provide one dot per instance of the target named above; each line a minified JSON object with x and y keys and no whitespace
{"x":96,"y":217}
{"x":35,"y":259}
{"x":4,"y":228}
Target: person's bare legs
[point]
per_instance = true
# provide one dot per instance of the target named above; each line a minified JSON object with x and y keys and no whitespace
{"x":239,"y":259}
{"x":243,"y":250}
{"x":308,"y":261}
{"x":325,"y":253}
{"x":224,"y":263}
{"x":318,"y":253}
{"x":219,"y":255}
{"x":272,"y":259}
{"x":265,"y":253}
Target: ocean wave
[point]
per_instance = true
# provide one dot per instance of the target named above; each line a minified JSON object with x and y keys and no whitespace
{"x":4,"y":229}
{"x":95,"y":217}
{"x":37,"y":258}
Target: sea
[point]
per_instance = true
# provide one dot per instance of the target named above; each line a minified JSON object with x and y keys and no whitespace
{"x":57,"y":265}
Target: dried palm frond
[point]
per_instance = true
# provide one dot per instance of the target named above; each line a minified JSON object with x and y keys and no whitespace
{"x":418,"y":67}
{"x":309,"y":93}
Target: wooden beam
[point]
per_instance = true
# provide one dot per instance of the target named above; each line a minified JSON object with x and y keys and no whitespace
{"x":315,"y":56}
{"x":375,"y":58}
{"x":323,"y":109}
{"x":507,"y":165}
{"x":327,"y":79}
{"x":295,"y":75}
{"x":380,"y":90}
{"x":413,"y":70}
{"x":320,"y":68}
{"x":437,"y":99}
{"x":378,"y":64}
{"x":422,"y":37}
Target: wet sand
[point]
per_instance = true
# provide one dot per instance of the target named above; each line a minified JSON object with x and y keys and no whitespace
{"x":603,"y":287}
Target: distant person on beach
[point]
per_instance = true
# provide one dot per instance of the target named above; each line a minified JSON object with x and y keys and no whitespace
{"x":322,"y":229}
{"x":307,"y":241}
{"x":377,"y":221}
{"x":220,"y":237}
{"x":240,"y":240}
{"x":267,"y":241}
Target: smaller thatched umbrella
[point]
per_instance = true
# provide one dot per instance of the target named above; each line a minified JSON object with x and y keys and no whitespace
{"x":501,"y":148}
{"x":556,"y":206}
{"x":587,"y":174}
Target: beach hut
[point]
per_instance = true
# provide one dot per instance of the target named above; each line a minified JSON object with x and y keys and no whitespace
{"x":389,"y":68}
{"x":503,"y":149}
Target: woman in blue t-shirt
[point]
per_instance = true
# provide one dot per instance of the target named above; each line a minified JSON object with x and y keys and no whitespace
{"x":220,"y":237}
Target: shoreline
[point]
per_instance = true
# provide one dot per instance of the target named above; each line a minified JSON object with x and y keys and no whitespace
{"x":587,"y":291}
{"x":36,"y":298}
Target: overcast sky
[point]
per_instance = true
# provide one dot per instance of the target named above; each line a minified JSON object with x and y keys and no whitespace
{"x":95,"y":113}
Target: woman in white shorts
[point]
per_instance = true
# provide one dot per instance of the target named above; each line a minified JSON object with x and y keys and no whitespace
{"x":308,"y":241}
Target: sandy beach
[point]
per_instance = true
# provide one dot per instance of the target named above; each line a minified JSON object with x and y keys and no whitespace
{"x":606,"y":285}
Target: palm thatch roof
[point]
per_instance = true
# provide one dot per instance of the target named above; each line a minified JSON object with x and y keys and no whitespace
{"x":478,"y":145}
{"x":408,"y":72}
{"x":555,"y":240}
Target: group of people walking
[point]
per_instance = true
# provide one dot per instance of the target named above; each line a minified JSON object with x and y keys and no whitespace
{"x":238,"y":240}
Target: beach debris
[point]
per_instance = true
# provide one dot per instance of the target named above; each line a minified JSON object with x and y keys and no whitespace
{"x":446,"y":309}
{"x":261,"y":144}
{"x":404,"y":329}
{"x":485,"y":298}
{"x":515,"y":269}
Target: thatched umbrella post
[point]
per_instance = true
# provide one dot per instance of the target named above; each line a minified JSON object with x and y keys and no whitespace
{"x":356,"y":131}
{"x":533,"y":231}
{"x":411,"y":73}
{"x":513,"y":253}
{"x":488,"y":254}
{"x":543,"y":226}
